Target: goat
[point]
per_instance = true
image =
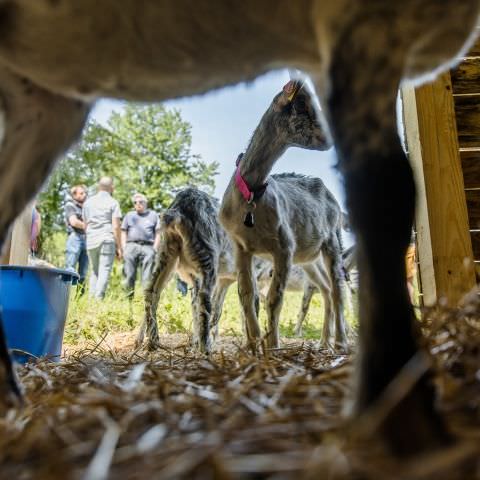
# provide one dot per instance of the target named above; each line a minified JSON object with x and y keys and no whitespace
{"x":297,"y":220}
{"x":197,"y":247}
{"x":298,"y":281}
{"x":56,"y":57}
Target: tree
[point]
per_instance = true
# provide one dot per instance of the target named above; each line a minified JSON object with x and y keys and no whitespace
{"x":146,"y":148}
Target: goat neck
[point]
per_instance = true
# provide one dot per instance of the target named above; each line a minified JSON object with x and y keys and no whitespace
{"x":264,"y":149}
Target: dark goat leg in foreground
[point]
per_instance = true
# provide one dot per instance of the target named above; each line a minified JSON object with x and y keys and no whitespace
{"x":9,"y":387}
{"x":35,"y":134}
{"x":381,"y":198}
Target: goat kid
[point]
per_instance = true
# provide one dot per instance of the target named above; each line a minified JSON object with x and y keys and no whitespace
{"x":196,"y":246}
{"x":57,"y":56}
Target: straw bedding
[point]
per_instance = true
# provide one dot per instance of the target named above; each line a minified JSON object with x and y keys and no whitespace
{"x":108,"y":411}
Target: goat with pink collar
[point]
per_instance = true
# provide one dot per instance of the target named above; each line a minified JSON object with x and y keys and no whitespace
{"x":286,"y":218}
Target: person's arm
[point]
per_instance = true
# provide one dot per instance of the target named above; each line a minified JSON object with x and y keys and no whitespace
{"x":124,"y":234}
{"x":38,"y":219}
{"x":116,"y":224}
{"x":156,"y":242}
{"x":75,"y":222}
{"x":123,"y":238}
{"x":85,"y":219}
{"x":117,"y":236}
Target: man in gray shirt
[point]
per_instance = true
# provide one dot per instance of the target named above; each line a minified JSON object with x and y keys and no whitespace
{"x":140,"y":241}
{"x":101,"y":214}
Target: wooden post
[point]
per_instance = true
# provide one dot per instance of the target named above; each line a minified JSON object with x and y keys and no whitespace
{"x":443,"y":238}
{"x":20,"y":244}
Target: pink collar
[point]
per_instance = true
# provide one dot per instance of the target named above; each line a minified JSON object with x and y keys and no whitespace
{"x":248,"y":194}
{"x":243,"y":187}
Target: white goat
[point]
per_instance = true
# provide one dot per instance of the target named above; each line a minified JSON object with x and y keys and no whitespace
{"x":57,"y":55}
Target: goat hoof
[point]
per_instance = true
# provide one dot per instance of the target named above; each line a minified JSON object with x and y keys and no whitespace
{"x":342,"y":348}
{"x":205,"y":348}
{"x":153,"y":345}
{"x":326,"y":345}
{"x":298,"y":332}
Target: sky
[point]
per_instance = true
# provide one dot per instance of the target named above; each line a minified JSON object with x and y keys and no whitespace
{"x":223,"y":122}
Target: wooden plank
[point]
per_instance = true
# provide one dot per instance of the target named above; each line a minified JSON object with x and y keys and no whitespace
{"x":20,"y":247}
{"x":466,"y":76}
{"x":473,"y":206}
{"x":443,"y":237}
{"x":471,"y":167}
{"x":467,"y":110}
{"x":475,"y":236}
{"x":426,"y":271}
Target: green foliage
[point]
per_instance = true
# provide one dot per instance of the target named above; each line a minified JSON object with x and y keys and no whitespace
{"x":146,"y":148}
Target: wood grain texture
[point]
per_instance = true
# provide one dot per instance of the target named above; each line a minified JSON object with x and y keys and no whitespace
{"x":473,"y":206}
{"x":475,"y":236}
{"x":466,"y":76}
{"x":471,"y":167}
{"x":467,"y":111}
{"x":20,"y":246}
{"x":443,"y":230}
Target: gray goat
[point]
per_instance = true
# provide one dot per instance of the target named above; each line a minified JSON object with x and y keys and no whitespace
{"x":56,"y":57}
{"x":298,"y":281}
{"x":297,"y":219}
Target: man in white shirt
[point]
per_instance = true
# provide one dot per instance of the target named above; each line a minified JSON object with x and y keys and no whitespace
{"x":101,"y":214}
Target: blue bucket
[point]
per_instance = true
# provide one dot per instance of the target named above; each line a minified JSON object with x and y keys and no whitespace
{"x":34,"y":303}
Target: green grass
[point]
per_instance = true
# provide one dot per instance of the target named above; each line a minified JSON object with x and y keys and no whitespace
{"x":90,"y":319}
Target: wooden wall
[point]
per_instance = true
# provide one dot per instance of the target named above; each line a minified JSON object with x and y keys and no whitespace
{"x":442,"y":130}
{"x":466,"y":94}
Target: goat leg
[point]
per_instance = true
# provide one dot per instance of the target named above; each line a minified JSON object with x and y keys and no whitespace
{"x":334,"y":263}
{"x":361,"y":107}
{"x":318,"y":275}
{"x":9,"y":387}
{"x":164,"y":265}
{"x":282,"y":261}
{"x":248,"y":296}
{"x":308,"y":292}
{"x":218,"y":300}
{"x":204,"y":314}
{"x":37,"y":128}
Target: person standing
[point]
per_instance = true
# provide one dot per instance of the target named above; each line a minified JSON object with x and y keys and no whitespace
{"x":76,"y":258}
{"x":101,"y":214}
{"x":140,"y":241}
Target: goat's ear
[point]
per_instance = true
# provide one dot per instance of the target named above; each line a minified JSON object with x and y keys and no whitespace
{"x":292,"y":88}
{"x":288,"y":94}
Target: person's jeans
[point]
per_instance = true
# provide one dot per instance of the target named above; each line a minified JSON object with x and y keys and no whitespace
{"x":134,"y":255}
{"x":76,"y":257}
{"x":101,"y":263}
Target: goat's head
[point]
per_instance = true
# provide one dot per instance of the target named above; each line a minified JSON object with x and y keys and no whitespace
{"x":297,"y":119}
